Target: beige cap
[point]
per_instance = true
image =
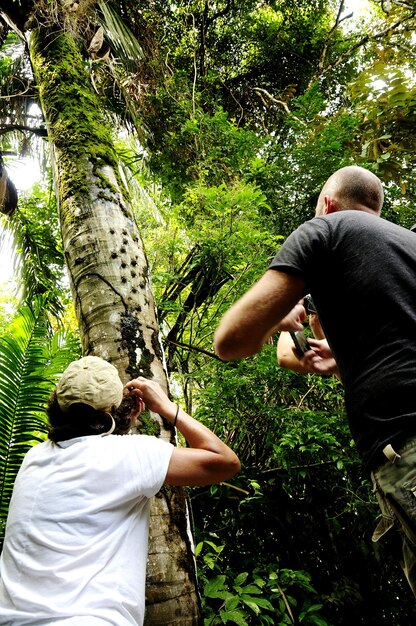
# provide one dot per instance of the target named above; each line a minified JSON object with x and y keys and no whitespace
{"x":92,"y":381}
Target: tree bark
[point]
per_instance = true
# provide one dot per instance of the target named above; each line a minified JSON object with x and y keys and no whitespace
{"x":108,"y":273}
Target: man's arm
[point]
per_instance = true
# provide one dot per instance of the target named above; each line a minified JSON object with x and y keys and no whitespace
{"x":259,"y":313}
{"x":286,"y":354}
{"x":207,"y":461}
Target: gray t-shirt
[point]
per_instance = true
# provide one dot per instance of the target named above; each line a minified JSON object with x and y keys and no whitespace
{"x":361,"y":273}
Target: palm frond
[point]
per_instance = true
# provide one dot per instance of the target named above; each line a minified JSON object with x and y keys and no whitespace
{"x":123,"y":42}
{"x":31,"y":358}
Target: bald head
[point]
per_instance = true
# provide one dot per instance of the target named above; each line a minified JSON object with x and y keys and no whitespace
{"x":351,"y":187}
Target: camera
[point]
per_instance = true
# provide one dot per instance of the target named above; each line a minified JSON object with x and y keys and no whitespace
{"x":309,"y":304}
{"x":300,"y":341}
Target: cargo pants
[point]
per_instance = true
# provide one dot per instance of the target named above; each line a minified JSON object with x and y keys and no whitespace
{"x":395,"y":487}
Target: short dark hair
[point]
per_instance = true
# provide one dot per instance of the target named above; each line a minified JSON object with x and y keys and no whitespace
{"x":83,"y":420}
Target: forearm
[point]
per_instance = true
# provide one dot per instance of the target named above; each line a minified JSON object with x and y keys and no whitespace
{"x":207,"y":461}
{"x":286,"y":356}
{"x":196,"y":434}
{"x":253,"y":318}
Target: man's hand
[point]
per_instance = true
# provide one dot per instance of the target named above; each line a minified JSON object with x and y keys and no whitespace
{"x":247,"y":326}
{"x":293,"y":320}
{"x":319,"y":360}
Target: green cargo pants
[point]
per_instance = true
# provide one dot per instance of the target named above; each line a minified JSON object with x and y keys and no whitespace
{"x":395,"y":486}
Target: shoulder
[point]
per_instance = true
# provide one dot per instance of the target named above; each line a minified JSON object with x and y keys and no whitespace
{"x":145,"y":445}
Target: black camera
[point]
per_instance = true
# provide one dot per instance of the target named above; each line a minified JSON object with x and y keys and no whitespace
{"x":300,"y":341}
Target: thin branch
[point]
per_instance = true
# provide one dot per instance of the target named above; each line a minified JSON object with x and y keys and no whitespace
{"x":193,"y":348}
{"x":341,"y":58}
{"x":286,"y":602}
{"x":408,"y":51}
{"x":7,"y":128}
{"x":338,"y":21}
{"x":228,"y":7}
{"x":247,"y":493}
{"x":281,"y":103}
{"x":18,"y":95}
{"x":276,"y":470}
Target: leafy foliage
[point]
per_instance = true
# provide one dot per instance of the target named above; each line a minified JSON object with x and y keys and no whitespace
{"x":38,"y":250}
{"x":274,"y":596}
{"x":31,"y":357}
{"x":300,"y":504}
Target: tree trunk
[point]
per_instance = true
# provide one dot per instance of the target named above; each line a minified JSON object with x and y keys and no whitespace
{"x":109,"y":279}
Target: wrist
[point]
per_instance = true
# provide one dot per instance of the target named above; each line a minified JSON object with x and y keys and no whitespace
{"x":170,"y":412}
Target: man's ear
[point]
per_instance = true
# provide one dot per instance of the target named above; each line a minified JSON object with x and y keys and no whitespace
{"x":330,"y":205}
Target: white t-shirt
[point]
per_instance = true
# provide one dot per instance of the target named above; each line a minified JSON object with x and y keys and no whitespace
{"x":75,"y":549}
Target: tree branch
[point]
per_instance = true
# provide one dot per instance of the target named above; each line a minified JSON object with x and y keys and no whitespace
{"x":281,"y":103}
{"x":359,"y":44}
{"x":276,"y":470}
{"x":193,"y":348}
{"x":8,"y":128}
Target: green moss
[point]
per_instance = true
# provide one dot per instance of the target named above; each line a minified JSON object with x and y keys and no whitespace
{"x":146,"y":425}
{"x":80,"y":132}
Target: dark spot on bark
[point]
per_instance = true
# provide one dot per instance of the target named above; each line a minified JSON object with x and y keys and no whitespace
{"x":133,"y":274}
{"x":134,"y":263}
{"x":156,"y":345}
{"x":123,"y":265}
{"x":78,"y":261}
{"x":133,"y":342}
{"x":112,"y":231}
{"x":134,"y":290}
{"x":114,"y":255}
{"x":122,"y":250}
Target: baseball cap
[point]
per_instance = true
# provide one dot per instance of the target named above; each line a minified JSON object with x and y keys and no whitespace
{"x":90,"y":380}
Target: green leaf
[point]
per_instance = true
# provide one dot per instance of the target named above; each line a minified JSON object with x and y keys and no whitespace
{"x":241,"y":578}
{"x":232,"y":603}
{"x":251,"y":603}
{"x":214,"y":585}
{"x":235,"y":617}
{"x":251,"y":589}
{"x":31,"y":357}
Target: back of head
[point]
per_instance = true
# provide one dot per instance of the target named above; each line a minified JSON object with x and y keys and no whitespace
{"x":86,"y":399}
{"x":353,"y":188}
{"x":92,"y":381}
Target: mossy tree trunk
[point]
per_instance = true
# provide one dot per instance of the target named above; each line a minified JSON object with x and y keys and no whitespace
{"x":109,"y":279}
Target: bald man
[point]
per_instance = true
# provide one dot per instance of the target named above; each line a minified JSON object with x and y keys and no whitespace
{"x":350,"y":188}
{"x":360,"y":270}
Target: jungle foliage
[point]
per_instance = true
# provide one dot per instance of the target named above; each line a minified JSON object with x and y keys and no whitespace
{"x":235,"y":114}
